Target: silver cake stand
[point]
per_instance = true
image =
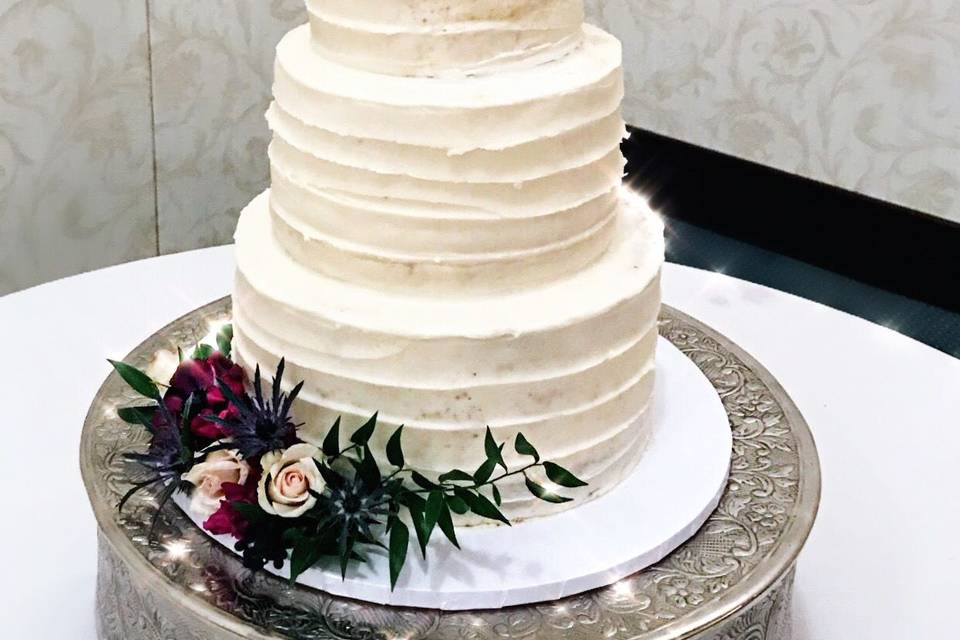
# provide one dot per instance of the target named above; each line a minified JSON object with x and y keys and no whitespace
{"x":732,"y":580}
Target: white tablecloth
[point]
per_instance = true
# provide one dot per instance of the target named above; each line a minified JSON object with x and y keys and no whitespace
{"x":882,"y":562}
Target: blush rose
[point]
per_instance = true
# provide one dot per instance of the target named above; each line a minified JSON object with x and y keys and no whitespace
{"x":208,"y":477}
{"x":288,"y":478}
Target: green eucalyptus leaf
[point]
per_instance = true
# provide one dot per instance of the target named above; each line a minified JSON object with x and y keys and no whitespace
{"x":138,"y":415}
{"x":559,"y":475}
{"x":423,"y":482}
{"x":331,"y":443}
{"x":457,"y":475}
{"x":225,"y":340}
{"x":457,"y":504}
{"x":291,"y":537}
{"x":543,"y":494}
{"x":496,"y":495}
{"x":395,"y":448}
{"x":445,"y":522}
{"x":463,"y":494}
{"x":250,"y":512}
{"x":202,"y":352}
{"x":138,"y":380}
{"x":369,"y":471}
{"x":524,"y":448}
{"x":493,"y":450}
{"x":186,"y":435}
{"x":411,"y":501}
{"x":432,"y":511}
{"x":362,"y":435}
{"x":484,"y":508}
{"x":419,"y":526}
{"x":345,"y":546}
{"x":399,"y":542}
{"x":305,"y":554}
{"x":484,"y":471}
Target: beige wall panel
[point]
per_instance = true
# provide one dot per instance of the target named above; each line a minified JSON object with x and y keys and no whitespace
{"x":213,"y":69}
{"x":861,"y":94}
{"x":76,"y":159}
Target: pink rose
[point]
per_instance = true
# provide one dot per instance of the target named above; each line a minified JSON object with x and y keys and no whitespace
{"x":209,"y":476}
{"x":288,"y":479}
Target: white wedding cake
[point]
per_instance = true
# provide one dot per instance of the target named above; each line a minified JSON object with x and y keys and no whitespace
{"x":446,"y":239}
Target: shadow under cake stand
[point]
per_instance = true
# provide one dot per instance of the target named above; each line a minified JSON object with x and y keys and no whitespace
{"x":731,"y":581}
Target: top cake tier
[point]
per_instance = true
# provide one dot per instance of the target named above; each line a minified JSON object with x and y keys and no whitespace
{"x":452,"y":185}
{"x":444,"y":37}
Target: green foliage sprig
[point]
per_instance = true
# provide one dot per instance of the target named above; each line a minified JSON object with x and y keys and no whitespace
{"x":359,"y":497}
{"x":357,"y":507}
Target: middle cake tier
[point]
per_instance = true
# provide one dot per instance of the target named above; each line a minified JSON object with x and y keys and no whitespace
{"x":442,"y":186}
{"x":570,"y":364}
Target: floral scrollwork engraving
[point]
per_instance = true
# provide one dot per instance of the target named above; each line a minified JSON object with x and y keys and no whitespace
{"x":746,"y":532}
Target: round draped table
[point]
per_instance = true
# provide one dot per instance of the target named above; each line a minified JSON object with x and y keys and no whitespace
{"x":883,"y":409}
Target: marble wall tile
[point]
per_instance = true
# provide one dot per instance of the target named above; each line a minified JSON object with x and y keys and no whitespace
{"x":212,"y":74}
{"x":861,"y":94}
{"x":76,"y":157}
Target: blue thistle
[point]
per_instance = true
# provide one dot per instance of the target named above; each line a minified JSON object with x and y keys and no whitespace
{"x":263,"y":424}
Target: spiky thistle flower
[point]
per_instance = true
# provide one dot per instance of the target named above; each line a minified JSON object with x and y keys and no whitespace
{"x":261,"y":424}
{"x":355,"y":504}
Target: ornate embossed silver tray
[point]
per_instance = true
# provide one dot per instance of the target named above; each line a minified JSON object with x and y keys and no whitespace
{"x":732,"y":580}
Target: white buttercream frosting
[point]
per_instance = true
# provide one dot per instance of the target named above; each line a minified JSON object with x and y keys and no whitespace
{"x":568,"y":363}
{"x":455,"y":114}
{"x":391,"y":209}
{"x":438,"y":37}
{"x":455,"y":252}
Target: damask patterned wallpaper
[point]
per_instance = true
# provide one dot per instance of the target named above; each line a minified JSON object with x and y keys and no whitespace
{"x":76,"y":148}
{"x":861,"y":94}
{"x":99,"y":97}
{"x":212,"y":73}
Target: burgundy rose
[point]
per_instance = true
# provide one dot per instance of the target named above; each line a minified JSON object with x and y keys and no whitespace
{"x":200,"y":426}
{"x":226,"y":520}
{"x":199,"y":378}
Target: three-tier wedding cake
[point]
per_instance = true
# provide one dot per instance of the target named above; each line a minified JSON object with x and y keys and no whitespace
{"x":446,"y":239}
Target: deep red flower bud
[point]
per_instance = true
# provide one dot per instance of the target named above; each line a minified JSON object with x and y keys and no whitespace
{"x":226,"y":520}
{"x":199,"y":379}
{"x":203,"y":428}
{"x":215,"y":396}
{"x":230,"y":413}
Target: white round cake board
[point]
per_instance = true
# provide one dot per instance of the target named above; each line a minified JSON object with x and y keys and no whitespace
{"x":670,"y":494}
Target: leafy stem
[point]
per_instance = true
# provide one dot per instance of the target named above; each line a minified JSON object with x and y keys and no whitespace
{"x":447,"y":487}
{"x":353,"y":504}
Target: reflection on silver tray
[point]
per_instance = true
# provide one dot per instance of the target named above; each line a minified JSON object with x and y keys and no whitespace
{"x":732,"y":580}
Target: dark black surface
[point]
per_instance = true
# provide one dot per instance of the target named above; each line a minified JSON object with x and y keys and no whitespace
{"x":870,"y":258}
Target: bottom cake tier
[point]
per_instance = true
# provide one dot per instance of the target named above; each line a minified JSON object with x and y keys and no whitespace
{"x":568,"y":363}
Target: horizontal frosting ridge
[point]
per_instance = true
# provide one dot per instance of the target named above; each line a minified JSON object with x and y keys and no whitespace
{"x":637,"y":250}
{"x":422,"y":39}
{"x":447,"y":241}
{"x":527,"y":161}
{"x":526,"y":104}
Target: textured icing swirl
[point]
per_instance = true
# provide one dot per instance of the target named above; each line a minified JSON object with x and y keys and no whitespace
{"x":454,"y":114}
{"x":569,"y":362}
{"x":439,"y":37}
{"x":456,"y":251}
{"x":396,"y":207}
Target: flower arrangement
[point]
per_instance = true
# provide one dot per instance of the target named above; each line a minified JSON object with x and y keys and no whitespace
{"x":235,"y":450}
